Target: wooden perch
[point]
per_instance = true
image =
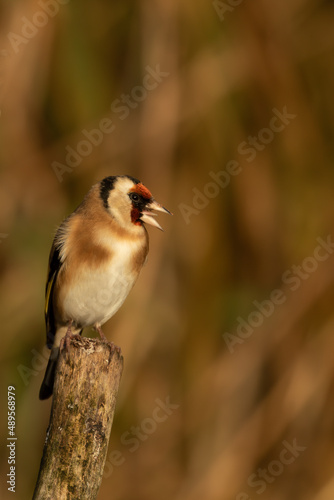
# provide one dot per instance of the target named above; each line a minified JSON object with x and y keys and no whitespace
{"x":84,"y":399}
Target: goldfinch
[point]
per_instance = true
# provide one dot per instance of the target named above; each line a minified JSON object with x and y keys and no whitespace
{"x":95,"y":259}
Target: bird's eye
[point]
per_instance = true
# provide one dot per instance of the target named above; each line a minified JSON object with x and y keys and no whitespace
{"x":134,"y":197}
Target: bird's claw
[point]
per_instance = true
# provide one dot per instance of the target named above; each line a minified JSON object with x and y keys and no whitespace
{"x":66,"y":340}
{"x":100,"y":332}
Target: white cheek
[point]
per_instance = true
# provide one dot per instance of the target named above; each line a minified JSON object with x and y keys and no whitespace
{"x":119,"y":207}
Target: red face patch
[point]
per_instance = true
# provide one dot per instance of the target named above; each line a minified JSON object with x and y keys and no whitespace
{"x":135,"y":214}
{"x":142,"y":191}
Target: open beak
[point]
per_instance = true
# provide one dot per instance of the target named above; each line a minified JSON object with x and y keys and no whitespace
{"x":148,"y":217}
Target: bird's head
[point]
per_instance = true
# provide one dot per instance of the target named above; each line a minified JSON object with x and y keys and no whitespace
{"x":129,"y":201}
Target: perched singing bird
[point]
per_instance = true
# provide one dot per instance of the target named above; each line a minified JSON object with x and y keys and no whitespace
{"x":95,"y":259}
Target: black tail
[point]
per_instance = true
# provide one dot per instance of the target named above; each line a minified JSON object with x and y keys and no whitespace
{"x":49,"y":377}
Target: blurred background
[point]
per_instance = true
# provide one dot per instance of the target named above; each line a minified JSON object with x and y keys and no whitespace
{"x":225,"y":110}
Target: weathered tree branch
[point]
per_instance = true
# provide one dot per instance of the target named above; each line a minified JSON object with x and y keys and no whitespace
{"x":84,"y":399}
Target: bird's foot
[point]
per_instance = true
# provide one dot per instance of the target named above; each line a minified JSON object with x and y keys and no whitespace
{"x":65,"y":341}
{"x":116,"y":348}
{"x":113,"y":346}
{"x":68,"y":335}
{"x":100,"y":332}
